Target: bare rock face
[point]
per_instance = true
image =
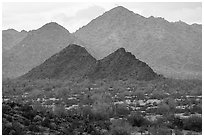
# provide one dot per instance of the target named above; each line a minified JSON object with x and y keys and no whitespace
{"x":172,"y":49}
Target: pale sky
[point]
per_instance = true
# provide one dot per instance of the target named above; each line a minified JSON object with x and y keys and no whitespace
{"x":29,"y":16}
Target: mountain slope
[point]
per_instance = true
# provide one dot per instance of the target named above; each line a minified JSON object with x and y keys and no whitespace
{"x":73,"y":62}
{"x":11,"y":37}
{"x":121,"y":65}
{"x":172,"y":49}
{"x":34,"y":49}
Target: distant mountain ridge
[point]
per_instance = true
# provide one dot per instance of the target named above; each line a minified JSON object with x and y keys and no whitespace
{"x":35,"y":48}
{"x":11,"y":37}
{"x":172,"y":49}
{"x":74,"y":62}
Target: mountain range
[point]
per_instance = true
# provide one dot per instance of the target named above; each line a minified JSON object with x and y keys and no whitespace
{"x":35,"y":48}
{"x":75,"y":63}
{"x":10,"y":37}
{"x":173,"y":49}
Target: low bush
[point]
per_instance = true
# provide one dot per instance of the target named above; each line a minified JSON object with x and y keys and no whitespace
{"x":193,"y":123}
{"x":121,"y":110}
{"x":196,"y":109}
{"x":163,"y":109}
{"x":59,"y":111}
{"x":163,"y":131}
{"x":136,"y":119}
{"x":175,"y":122}
{"x":120,"y":127}
{"x":28,"y":88}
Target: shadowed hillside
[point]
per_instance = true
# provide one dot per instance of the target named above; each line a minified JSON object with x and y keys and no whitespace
{"x":122,"y":65}
{"x":73,"y":62}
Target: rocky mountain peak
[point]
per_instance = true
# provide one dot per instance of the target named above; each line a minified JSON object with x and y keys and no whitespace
{"x":120,"y":50}
{"x":171,"y":49}
{"x":71,"y":62}
{"x":52,"y":26}
{"x":120,"y":9}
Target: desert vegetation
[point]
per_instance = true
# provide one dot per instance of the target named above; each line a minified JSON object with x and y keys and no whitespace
{"x":102,"y":107}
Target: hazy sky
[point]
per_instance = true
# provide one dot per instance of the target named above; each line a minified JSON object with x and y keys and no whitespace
{"x":72,"y":16}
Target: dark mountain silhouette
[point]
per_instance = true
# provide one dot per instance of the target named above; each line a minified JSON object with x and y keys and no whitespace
{"x":73,"y":62}
{"x":170,"y":48}
{"x":35,"y":48}
{"x":121,"y":65}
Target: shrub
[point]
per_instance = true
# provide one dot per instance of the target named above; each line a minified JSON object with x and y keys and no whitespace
{"x":136,"y":119}
{"x":160,"y":130}
{"x":29,"y":113}
{"x":62,"y":92}
{"x":193,"y":123}
{"x":140,"y":95}
{"x":97,"y":116}
{"x":35,"y":93}
{"x":171,"y":103}
{"x":178,"y":110}
{"x":91,"y":129}
{"x":5,"y":108}
{"x":121,"y":110}
{"x":91,"y":115}
{"x":158,"y":95}
{"x":164,"y":131}
{"x":59,"y":111}
{"x":26,"y":107}
{"x":28,"y":88}
{"x":86,"y":100}
{"x":178,"y":132}
{"x":19,"y":128}
{"x":37,"y":106}
{"x":176,"y":122}
{"x":163,"y":109}
{"x":102,"y":106}
{"x":34,"y":128}
{"x":86,"y":111}
{"x":120,"y":127}
{"x":196,"y":109}
{"x":46,"y":122}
